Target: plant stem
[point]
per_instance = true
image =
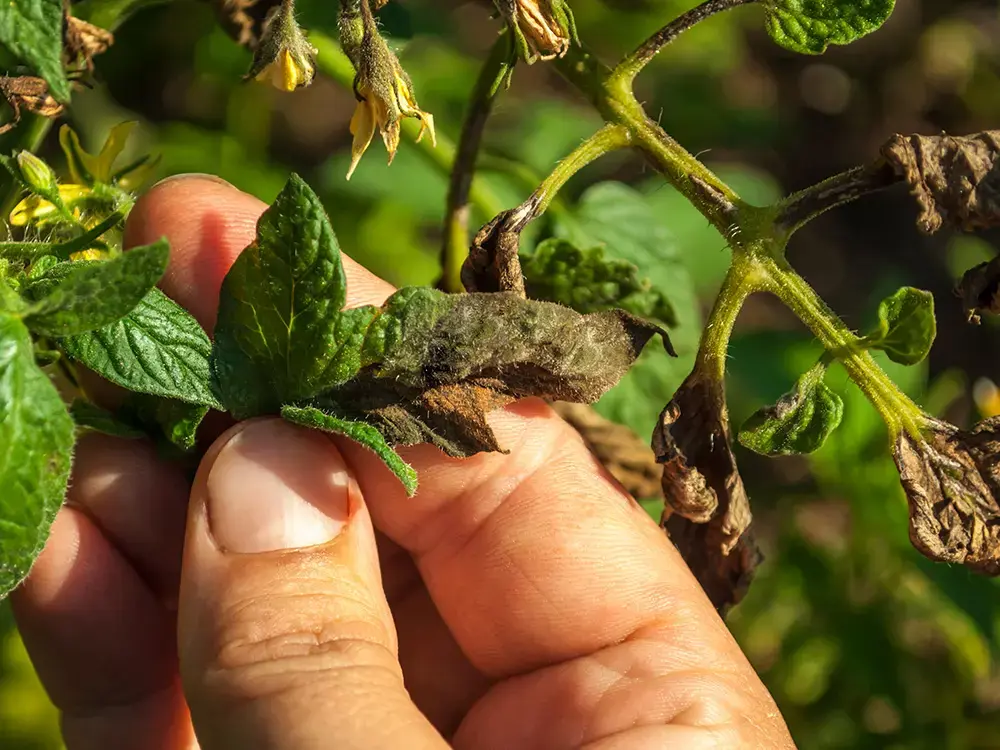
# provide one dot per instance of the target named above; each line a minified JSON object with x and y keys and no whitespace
{"x":799,"y":209}
{"x":895,"y":407}
{"x":630,"y":67}
{"x":332,"y":61}
{"x":609,"y":138}
{"x":455,"y":243}
{"x":613,"y":98}
{"x":743,"y":279}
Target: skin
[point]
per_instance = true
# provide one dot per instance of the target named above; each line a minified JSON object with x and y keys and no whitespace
{"x":518,"y":601}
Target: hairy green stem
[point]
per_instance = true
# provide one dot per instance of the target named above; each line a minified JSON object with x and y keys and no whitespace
{"x":609,"y":138}
{"x":743,"y":279}
{"x":455,"y":242}
{"x":630,"y":67}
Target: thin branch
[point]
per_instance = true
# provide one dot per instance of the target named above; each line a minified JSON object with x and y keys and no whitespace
{"x":455,"y":242}
{"x":629,"y":68}
{"x":802,"y":207}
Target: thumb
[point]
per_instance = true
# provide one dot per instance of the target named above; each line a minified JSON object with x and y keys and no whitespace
{"x":285,"y":638}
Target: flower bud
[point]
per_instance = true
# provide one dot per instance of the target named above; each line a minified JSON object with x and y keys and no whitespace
{"x":384,"y":93}
{"x":37,"y":174}
{"x":542,"y":29}
{"x":283,"y":57}
{"x":952,"y":482}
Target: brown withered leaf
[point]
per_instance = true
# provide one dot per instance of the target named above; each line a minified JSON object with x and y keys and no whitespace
{"x":702,"y":485}
{"x":83,"y":41}
{"x":493,"y":264}
{"x":30,"y":93}
{"x":979,"y":290}
{"x":441,"y":362}
{"x":952,"y":484}
{"x":627,"y":457}
{"x":954,"y":178}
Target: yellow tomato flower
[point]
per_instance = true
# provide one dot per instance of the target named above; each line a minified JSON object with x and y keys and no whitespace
{"x":283,"y":57}
{"x":34,"y":208}
{"x":384,"y":94}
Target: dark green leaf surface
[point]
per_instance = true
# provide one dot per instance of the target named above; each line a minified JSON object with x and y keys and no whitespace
{"x":92,"y":417}
{"x":906,"y":326}
{"x":73,"y":298}
{"x":810,"y":26}
{"x":800,"y":422}
{"x":166,"y":418}
{"x":36,"y":443}
{"x":158,"y":348}
{"x":588,"y":281}
{"x":280,"y":336}
{"x":33,"y":30}
{"x":360,"y":432}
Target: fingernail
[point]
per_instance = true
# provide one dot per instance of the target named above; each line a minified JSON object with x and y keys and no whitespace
{"x":193,"y":176}
{"x":277,"y":487}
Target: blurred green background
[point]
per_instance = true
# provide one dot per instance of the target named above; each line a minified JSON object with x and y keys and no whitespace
{"x":863,"y":643}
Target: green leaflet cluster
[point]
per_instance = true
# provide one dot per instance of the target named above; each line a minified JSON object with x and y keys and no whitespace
{"x":424,"y":367}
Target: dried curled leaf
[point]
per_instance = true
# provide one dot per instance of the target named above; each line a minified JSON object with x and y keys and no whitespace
{"x":954,"y":178}
{"x":708,"y":510}
{"x":952,"y":483}
{"x":980,"y":290}
{"x":30,"y":93}
{"x":493,"y":263}
{"x":83,"y":41}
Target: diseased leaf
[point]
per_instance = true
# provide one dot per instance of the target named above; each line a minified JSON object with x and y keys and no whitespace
{"x":281,"y":337}
{"x":33,"y":30}
{"x":361,"y":433}
{"x":158,"y":348}
{"x":955,"y":179}
{"x":952,"y":482}
{"x":588,"y":281}
{"x":906,"y":326}
{"x":810,"y":26}
{"x":980,"y":290}
{"x":800,"y":422}
{"x":93,"y":417}
{"x":36,"y":443}
{"x":435,"y":364}
{"x":73,"y":298}
{"x":707,"y":508}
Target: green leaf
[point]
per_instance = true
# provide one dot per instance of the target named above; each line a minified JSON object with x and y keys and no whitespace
{"x":33,"y":30}
{"x":165,"y":418}
{"x":906,"y":326}
{"x":360,"y":432}
{"x":281,"y":336}
{"x":36,"y":443}
{"x":158,"y":348}
{"x":587,"y":281}
{"x":810,"y":26}
{"x":73,"y":298}
{"x":800,"y":422}
{"x":92,"y":417}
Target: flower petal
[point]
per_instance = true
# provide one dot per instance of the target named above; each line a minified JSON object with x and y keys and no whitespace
{"x":363,"y":130}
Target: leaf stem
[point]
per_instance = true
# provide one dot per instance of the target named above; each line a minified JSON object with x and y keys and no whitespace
{"x":799,"y":209}
{"x":630,"y":67}
{"x":455,"y":242}
{"x":743,"y":279}
{"x":894,"y":406}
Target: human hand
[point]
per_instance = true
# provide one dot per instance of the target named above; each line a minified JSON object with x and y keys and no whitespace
{"x":518,"y":601}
